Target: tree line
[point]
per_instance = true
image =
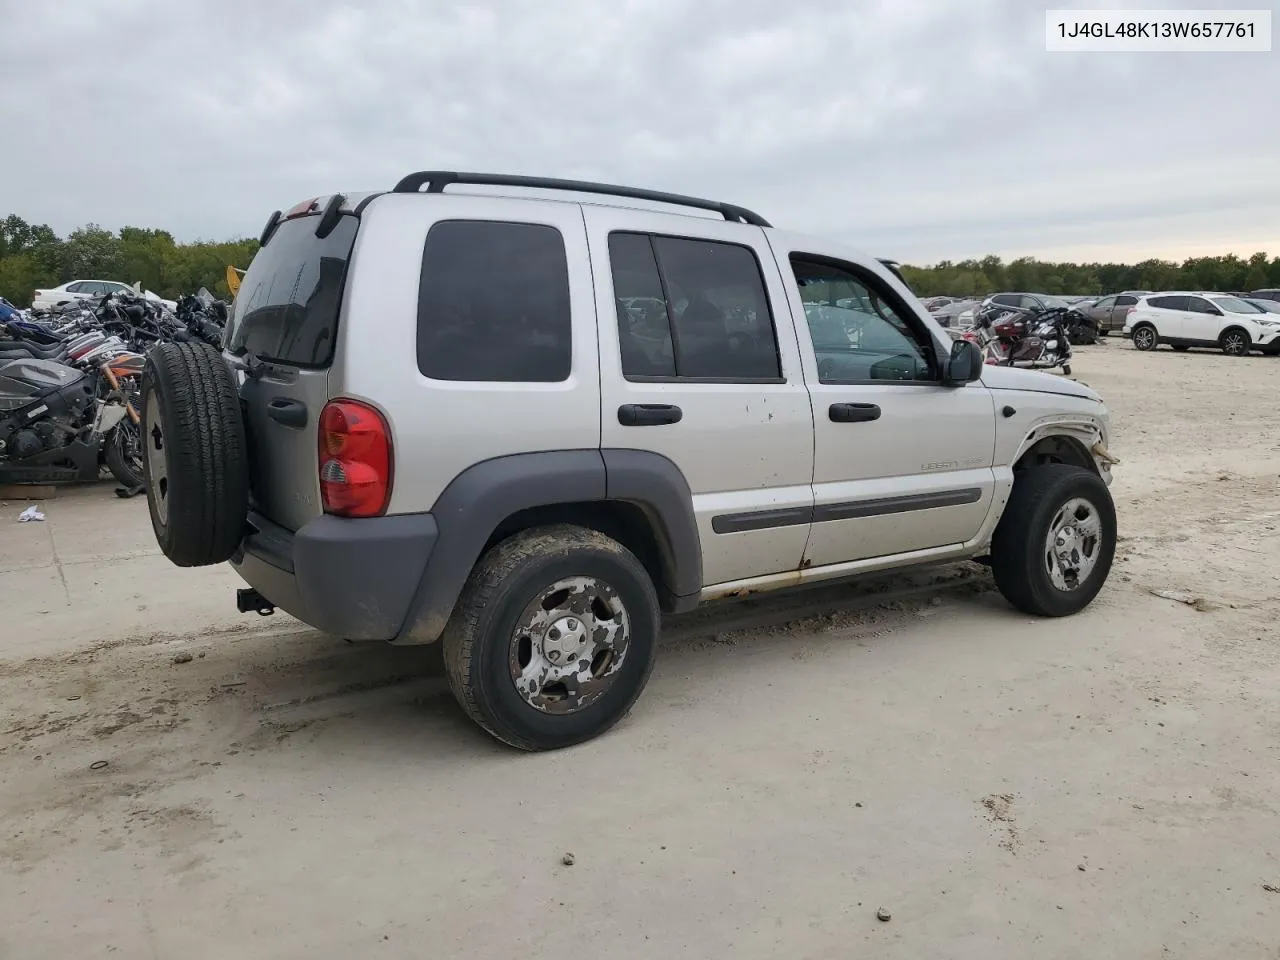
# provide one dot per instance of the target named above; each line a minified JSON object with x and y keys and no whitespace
{"x":977,"y":278}
{"x":32,"y":256}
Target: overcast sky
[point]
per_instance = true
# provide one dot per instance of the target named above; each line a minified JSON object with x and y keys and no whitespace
{"x":918,"y":129}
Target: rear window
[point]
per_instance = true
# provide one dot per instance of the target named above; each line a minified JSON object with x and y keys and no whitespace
{"x":287,"y":307}
{"x":493,"y":304}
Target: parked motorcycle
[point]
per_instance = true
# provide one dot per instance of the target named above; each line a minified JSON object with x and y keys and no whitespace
{"x":1013,"y":337}
{"x":63,"y":417}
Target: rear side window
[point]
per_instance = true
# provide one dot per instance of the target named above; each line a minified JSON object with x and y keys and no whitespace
{"x":691,"y":309}
{"x":287,"y":307}
{"x":1126,"y":301}
{"x":1167,"y":303}
{"x":493,"y":304}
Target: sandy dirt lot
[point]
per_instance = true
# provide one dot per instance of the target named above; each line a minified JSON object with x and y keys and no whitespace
{"x":177,"y":781}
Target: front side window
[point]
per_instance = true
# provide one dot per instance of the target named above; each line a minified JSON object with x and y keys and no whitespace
{"x":493,"y":303}
{"x":859,"y":333}
{"x":691,"y":309}
{"x":1106,"y":303}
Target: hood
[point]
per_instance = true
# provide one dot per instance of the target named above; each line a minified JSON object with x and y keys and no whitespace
{"x":1036,"y":381}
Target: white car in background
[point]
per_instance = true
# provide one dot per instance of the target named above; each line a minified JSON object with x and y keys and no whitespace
{"x":1198,"y":319}
{"x":90,"y":290}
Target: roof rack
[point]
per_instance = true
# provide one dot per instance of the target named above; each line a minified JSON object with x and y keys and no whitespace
{"x":436,"y":180}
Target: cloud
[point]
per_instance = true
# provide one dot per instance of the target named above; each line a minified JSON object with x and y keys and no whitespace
{"x":920,"y":129}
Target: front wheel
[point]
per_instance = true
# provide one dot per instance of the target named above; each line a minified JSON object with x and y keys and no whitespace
{"x":1055,"y":543}
{"x":553,"y":637}
{"x":1236,"y":343}
{"x":123,"y":454}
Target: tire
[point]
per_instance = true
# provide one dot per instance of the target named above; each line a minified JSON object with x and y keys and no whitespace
{"x":483,"y":649}
{"x":195,"y":462}
{"x":123,"y":454}
{"x":1236,"y":342}
{"x":1145,"y":337}
{"x":1181,"y":347}
{"x":1020,"y":556}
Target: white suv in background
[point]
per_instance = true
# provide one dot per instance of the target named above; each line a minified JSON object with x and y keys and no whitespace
{"x":1185,"y":320}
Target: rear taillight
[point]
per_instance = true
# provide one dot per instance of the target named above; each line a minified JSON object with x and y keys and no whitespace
{"x":1130,"y":310}
{"x":355,"y":460}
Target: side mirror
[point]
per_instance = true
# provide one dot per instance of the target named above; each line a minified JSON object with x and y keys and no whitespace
{"x":964,"y":365}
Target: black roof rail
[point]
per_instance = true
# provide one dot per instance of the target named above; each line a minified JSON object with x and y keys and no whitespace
{"x":436,"y":180}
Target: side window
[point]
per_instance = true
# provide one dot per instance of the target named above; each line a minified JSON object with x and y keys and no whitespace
{"x":1029,"y":303}
{"x":1005,"y":299}
{"x":1126,"y":301}
{"x":1107,"y":302}
{"x":691,"y":309}
{"x":860,"y":332}
{"x":81,"y":287}
{"x":493,"y":303}
{"x":1199,"y":305}
{"x":1167,"y":303}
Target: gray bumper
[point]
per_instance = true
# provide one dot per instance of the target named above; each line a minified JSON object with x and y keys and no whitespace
{"x":350,"y":578}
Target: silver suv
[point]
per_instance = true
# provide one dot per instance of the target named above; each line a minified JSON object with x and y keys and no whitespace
{"x":526,"y":426}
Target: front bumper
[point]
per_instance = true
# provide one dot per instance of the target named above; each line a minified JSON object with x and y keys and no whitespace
{"x":350,"y":578}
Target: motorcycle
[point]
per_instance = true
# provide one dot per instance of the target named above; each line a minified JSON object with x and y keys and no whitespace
{"x":1013,"y":337}
{"x":66,"y":412}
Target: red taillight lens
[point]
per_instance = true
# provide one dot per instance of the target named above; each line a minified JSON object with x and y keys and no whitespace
{"x":1130,"y":310}
{"x":355,"y":460}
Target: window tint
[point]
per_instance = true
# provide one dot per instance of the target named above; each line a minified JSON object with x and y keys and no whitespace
{"x":858,"y":334}
{"x":691,"y":309}
{"x":81,"y":287}
{"x":1167,"y":303}
{"x":287,"y":306}
{"x":1005,"y":299}
{"x":493,"y":304}
{"x":1126,"y":301}
{"x":1199,"y":305}
{"x":1106,"y":303}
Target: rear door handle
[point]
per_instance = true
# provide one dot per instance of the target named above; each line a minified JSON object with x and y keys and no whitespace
{"x":853,"y":412}
{"x":648,"y":414}
{"x":291,"y":413}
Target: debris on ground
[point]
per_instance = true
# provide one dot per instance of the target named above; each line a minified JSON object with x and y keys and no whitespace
{"x":883,"y":915}
{"x":31,"y":513}
{"x":1198,"y":603}
{"x":568,"y":859}
{"x":1271,"y":888}
{"x":183,"y":658}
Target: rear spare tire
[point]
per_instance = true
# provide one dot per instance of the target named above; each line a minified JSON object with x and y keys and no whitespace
{"x":194,"y":454}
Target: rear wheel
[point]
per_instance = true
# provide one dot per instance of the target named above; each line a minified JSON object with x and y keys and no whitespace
{"x":1235,"y":342}
{"x":195,"y":463}
{"x":1145,"y":337}
{"x":553,"y":637}
{"x":1056,"y":540}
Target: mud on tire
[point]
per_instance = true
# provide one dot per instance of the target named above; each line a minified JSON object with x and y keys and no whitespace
{"x":194,"y":455}
{"x":484,"y":647}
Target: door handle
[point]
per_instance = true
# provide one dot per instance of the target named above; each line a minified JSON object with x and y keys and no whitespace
{"x":290,"y":413}
{"x":648,"y":414}
{"x":853,"y":412}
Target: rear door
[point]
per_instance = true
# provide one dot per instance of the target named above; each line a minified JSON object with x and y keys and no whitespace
{"x":1119,"y":311}
{"x":694,"y":328}
{"x":286,"y":315}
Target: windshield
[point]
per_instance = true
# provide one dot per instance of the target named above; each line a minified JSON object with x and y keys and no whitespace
{"x":287,"y":307}
{"x":1235,"y":305}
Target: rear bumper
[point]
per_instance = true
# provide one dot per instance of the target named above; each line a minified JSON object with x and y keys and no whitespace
{"x":350,"y":578}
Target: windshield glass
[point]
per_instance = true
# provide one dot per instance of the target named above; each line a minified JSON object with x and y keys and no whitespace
{"x":1235,"y":305}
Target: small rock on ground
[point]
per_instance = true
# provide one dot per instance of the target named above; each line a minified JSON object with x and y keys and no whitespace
{"x":883,"y":915}
{"x":183,"y":658}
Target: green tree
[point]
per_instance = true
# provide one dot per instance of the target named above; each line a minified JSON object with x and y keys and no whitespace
{"x":91,"y":253}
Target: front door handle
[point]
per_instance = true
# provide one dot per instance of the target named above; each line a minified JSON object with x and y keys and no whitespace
{"x":648,"y":414}
{"x":291,"y":413}
{"x":853,"y":412}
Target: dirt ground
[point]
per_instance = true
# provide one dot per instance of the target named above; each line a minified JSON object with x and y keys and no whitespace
{"x":180,"y":781}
